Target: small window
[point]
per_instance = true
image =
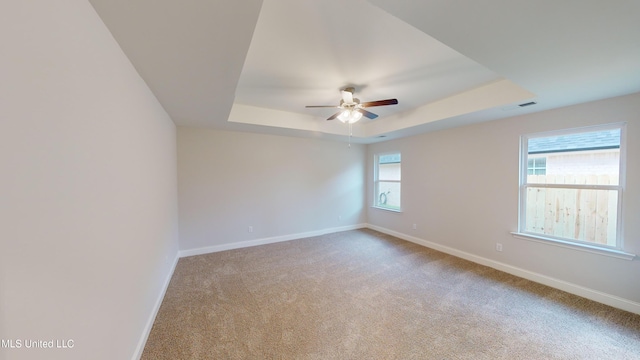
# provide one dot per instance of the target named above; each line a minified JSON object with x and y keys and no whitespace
{"x":537,"y":166}
{"x":387,"y":176}
{"x":571,"y":185}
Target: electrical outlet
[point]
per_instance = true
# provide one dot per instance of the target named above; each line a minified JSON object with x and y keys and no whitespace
{"x":250,"y":229}
{"x":498,"y":247}
{"x":339,"y":217}
{"x":415,"y":226}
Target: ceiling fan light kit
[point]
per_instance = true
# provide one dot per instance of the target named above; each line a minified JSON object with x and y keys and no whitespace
{"x":350,"y":116}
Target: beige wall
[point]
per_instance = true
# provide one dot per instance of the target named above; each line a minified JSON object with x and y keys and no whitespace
{"x":279,"y":185}
{"x":88,"y":186}
{"x":467,"y":205}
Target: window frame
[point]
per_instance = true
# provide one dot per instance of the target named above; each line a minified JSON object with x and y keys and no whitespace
{"x":617,"y":250}
{"x":376,"y":181}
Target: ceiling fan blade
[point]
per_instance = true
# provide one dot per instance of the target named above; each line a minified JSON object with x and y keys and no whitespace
{"x":321,"y":106}
{"x":380,"y":103}
{"x":368,"y":114}
{"x":334,"y":115}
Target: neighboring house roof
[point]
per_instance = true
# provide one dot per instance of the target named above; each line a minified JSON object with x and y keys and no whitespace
{"x":599,"y":140}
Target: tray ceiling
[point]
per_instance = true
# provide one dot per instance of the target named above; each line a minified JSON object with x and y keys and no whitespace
{"x":254,"y":65}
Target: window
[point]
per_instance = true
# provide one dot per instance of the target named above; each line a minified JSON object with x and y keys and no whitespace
{"x":387,"y":181}
{"x":537,"y":166}
{"x":571,"y":186}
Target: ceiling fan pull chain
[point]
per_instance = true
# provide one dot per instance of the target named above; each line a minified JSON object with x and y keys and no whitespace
{"x":350,"y":134}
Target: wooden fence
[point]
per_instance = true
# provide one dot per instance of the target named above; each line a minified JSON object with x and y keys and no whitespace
{"x":582,"y":214}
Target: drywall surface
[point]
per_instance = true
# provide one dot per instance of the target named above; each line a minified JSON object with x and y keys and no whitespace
{"x":460,"y":188}
{"x":88,"y":187}
{"x":237,"y":187}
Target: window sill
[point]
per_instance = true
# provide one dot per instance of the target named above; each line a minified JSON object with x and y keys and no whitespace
{"x":386,"y":209}
{"x":570,"y":245}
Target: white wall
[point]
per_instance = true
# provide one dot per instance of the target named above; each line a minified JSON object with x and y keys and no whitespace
{"x":228,"y":181}
{"x":460,"y":187}
{"x":88,"y":186}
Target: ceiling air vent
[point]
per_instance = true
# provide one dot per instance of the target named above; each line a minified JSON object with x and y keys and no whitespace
{"x":528,"y":104}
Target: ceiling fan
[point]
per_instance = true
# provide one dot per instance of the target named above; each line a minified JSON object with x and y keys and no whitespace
{"x":351,"y":109}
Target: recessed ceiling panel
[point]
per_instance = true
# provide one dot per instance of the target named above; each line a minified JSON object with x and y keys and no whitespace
{"x":304,"y":51}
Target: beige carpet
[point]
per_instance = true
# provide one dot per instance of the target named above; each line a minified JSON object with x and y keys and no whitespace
{"x":365,"y":295}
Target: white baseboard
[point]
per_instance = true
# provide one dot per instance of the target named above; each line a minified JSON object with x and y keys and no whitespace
{"x":152,"y":318}
{"x":264,"y":241}
{"x":582,"y":291}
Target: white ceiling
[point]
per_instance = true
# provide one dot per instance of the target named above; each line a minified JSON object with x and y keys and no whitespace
{"x":253,"y":65}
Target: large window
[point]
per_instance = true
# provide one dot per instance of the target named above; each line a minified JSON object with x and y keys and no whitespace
{"x":387,"y":175}
{"x":571,"y":186}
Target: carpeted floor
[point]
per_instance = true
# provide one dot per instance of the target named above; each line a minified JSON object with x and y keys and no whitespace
{"x":365,"y":295}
